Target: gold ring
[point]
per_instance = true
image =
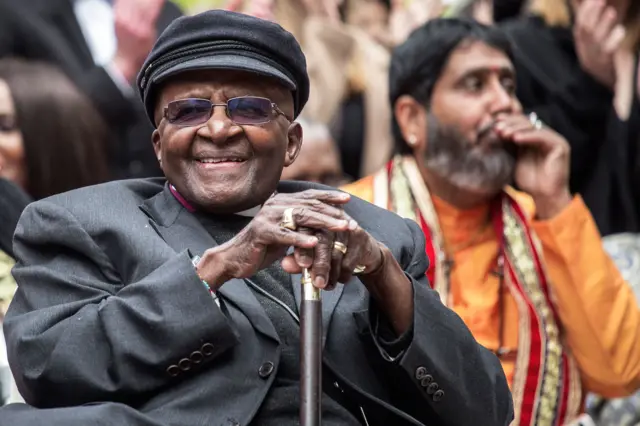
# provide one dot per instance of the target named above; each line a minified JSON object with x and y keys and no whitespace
{"x":340,"y":247}
{"x":359,"y":269}
{"x":287,"y":220}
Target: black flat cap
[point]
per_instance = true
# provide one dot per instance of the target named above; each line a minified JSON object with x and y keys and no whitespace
{"x":219,"y":39}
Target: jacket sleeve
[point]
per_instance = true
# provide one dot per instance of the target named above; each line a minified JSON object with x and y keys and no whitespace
{"x":443,"y":372}
{"x":76,"y":333}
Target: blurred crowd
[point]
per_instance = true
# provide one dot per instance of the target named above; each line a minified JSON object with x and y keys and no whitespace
{"x":70,"y":115}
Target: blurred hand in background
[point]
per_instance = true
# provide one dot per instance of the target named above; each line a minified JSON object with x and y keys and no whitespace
{"x":135,"y":27}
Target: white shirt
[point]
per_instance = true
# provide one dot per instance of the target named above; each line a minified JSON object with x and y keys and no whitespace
{"x":96,"y":21}
{"x":97,"y":24}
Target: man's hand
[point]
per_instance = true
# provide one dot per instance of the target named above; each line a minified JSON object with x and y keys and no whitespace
{"x":542,"y":167}
{"x":598,"y":36}
{"x":326,"y":240}
{"x":264,"y":240}
{"x":135,"y":26}
{"x":337,"y":256}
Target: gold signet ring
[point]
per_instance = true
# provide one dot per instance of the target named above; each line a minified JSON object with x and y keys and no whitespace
{"x":287,"y":220}
{"x":359,"y":269}
{"x":340,"y":247}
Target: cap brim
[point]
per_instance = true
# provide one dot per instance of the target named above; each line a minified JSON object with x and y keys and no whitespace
{"x":226,"y":62}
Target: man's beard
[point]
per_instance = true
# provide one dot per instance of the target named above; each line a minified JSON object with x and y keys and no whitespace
{"x":483,"y":167}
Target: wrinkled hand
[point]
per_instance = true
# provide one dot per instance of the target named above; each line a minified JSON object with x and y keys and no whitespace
{"x":135,"y":27}
{"x":320,"y":223}
{"x":598,"y":37}
{"x":328,"y":264}
{"x":380,"y":272}
{"x":263,"y":240}
{"x":542,"y":166}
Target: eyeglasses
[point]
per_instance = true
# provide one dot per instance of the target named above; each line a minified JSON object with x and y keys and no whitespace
{"x":243,"y":110}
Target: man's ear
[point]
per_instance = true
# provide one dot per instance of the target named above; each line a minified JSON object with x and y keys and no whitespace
{"x":294,"y":143}
{"x":157,"y":145}
{"x":411,"y":117}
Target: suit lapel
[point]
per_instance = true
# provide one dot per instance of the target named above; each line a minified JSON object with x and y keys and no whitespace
{"x":182,"y":231}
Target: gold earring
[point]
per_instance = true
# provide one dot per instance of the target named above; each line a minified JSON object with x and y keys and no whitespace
{"x":413,"y":140}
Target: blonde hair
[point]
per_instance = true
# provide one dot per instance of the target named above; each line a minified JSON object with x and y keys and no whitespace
{"x":557,"y":13}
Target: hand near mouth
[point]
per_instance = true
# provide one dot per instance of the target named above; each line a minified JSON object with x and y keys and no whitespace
{"x":542,"y":167}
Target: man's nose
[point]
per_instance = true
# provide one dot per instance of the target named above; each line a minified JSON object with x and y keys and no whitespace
{"x":219,"y":127}
{"x":502,"y":101}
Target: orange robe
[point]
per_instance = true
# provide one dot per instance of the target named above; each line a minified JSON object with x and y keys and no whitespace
{"x":597,"y":309}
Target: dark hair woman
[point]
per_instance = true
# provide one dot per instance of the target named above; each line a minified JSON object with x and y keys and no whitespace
{"x":51,"y":137}
{"x":51,"y":140}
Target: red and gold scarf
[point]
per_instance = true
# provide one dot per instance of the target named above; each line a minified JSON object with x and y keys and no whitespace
{"x":546,"y":386}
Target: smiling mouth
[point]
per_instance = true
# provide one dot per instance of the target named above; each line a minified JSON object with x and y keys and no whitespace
{"x":220,"y":160}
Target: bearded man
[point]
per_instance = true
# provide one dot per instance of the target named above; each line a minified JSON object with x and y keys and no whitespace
{"x":526,"y":271}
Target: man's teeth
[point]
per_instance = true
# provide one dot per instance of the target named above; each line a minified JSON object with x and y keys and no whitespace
{"x":221,"y":160}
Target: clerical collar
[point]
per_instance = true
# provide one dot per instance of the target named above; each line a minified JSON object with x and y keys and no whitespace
{"x":252,"y":212}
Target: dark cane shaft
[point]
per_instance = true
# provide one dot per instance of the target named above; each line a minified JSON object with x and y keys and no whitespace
{"x":310,"y":353}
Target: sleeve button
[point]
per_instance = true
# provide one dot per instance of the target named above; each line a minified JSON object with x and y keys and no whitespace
{"x":184,"y":364}
{"x":266,"y":369}
{"x":432,"y":388}
{"x":207,"y":349}
{"x":426,"y":381}
{"x":196,"y":357}
{"x":173,"y":370}
{"x":421,"y":372}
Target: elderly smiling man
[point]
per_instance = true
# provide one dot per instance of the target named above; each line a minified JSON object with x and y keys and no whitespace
{"x":112,"y":324}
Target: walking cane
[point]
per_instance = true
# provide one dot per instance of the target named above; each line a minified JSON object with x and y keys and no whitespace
{"x":310,"y":352}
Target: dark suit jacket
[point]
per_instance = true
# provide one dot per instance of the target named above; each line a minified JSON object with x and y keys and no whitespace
{"x":48,"y":30}
{"x":108,"y":300}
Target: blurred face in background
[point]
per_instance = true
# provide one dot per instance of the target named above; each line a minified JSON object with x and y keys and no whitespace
{"x":318,"y":161}
{"x":12,"y":155}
